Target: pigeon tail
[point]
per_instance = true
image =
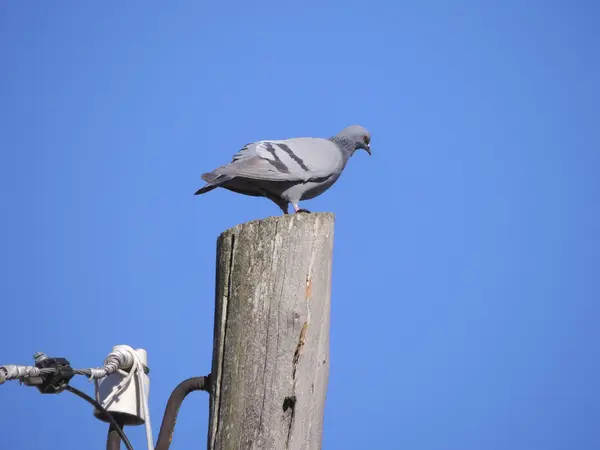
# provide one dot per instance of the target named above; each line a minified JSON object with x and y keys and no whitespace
{"x":205,"y":189}
{"x":213,"y":181}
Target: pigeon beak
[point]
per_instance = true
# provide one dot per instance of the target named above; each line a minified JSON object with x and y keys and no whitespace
{"x":368,"y":149}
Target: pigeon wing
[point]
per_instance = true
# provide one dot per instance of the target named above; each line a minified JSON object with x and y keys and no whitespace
{"x":298,"y":159}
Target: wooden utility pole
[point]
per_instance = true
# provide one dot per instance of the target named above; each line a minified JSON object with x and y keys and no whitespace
{"x":271,"y":344}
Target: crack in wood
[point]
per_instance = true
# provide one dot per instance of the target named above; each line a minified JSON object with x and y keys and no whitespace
{"x":301,"y":342}
{"x":289,"y":403}
{"x":223,"y":330}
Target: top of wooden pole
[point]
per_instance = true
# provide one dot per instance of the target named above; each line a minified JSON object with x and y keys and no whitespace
{"x":289,"y":219}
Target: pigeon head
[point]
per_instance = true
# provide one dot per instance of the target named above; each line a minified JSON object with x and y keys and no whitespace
{"x":353,"y":138}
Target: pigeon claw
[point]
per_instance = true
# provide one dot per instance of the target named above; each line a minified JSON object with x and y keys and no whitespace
{"x":302,"y":210}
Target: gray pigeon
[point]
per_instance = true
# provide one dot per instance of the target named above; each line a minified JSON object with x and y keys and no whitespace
{"x":290,"y":170}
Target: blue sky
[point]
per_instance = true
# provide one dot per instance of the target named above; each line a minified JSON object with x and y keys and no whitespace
{"x":465,"y":289}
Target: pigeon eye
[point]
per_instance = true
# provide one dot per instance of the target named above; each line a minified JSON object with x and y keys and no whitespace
{"x":366,"y":139}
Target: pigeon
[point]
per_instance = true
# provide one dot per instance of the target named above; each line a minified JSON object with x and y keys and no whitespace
{"x":290,"y":170}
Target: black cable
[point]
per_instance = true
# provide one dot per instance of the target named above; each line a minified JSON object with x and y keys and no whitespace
{"x":113,"y":440}
{"x":100,"y":408}
{"x":175,"y":400}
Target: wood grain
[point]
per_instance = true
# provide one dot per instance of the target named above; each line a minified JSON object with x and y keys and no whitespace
{"x":271,"y":346}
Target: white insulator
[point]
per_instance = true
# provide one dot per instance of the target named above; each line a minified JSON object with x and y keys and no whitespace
{"x":119,"y":392}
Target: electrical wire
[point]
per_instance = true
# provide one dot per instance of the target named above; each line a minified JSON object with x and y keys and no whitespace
{"x":172,"y":410}
{"x":100,"y":408}
{"x":113,"y":440}
{"x":122,"y":357}
{"x":129,"y":364}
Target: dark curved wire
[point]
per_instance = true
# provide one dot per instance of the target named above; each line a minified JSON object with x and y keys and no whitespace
{"x":100,"y":408}
{"x":175,"y":400}
{"x":113,"y":440}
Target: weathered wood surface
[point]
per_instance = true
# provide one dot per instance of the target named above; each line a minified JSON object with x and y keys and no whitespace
{"x":271,"y":346}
